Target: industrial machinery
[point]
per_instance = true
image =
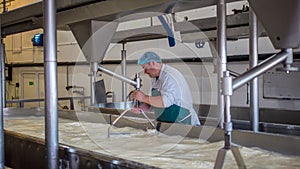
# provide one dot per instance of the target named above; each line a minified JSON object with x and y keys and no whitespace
{"x":82,"y":147}
{"x":89,"y":17}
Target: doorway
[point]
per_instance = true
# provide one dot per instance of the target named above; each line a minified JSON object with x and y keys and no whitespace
{"x":32,"y":87}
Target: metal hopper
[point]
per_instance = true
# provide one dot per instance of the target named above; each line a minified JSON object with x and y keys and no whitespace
{"x":94,"y":37}
{"x":281,"y":19}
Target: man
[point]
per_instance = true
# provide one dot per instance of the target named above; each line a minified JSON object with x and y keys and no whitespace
{"x":170,"y":99}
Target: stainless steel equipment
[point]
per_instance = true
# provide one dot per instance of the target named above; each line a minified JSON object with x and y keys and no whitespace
{"x":116,"y":105}
{"x":284,"y":30}
{"x":282,"y":39}
{"x":24,"y":150}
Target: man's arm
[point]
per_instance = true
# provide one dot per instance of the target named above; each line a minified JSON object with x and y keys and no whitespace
{"x":151,"y":100}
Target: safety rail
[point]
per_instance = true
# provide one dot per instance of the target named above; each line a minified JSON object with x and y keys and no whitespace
{"x":21,"y":102}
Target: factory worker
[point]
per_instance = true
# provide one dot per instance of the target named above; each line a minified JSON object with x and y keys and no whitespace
{"x":171,"y":98}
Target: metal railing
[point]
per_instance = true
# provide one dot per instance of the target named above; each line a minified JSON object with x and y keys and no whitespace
{"x":21,"y":102}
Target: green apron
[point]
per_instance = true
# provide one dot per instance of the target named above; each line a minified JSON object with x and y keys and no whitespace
{"x":171,"y":114}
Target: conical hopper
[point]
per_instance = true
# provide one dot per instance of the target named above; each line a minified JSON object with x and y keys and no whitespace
{"x":94,"y":37}
{"x":281,"y":20}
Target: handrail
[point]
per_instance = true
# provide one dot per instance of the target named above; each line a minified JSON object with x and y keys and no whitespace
{"x":22,"y":101}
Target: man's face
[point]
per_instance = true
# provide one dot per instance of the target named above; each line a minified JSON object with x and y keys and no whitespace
{"x":152,"y":69}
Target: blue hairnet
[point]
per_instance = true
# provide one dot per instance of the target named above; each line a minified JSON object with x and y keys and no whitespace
{"x":148,"y":57}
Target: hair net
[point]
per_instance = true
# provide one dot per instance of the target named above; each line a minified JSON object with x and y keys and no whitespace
{"x":148,"y":57}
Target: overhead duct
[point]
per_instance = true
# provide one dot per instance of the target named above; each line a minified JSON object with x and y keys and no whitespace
{"x":94,"y":37}
{"x":281,"y":19}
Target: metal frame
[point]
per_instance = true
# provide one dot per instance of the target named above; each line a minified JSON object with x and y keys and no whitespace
{"x":272,"y":142}
{"x":94,"y":69}
{"x":221,"y":49}
{"x":136,"y":83}
{"x":124,"y":72}
{"x":225,"y":91}
{"x":31,"y":16}
{"x":227,"y":87}
{"x":189,"y":31}
{"x":253,"y":61}
{"x":122,"y":115}
{"x":260,"y":69}
{"x":3,"y":77}
{"x":116,"y":75}
{"x":50,"y":69}
{"x":25,"y":151}
{"x":2,"y":102}
{"x":21,"y":102}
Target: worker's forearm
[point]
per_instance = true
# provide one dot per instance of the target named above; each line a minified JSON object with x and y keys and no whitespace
{"x":154,"y":101}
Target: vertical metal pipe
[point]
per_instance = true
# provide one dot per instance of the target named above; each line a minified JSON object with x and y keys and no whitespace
{"x":227,"y":92}
{"x":124,"y":73}
{"x":214,"y":53}
{"x":4,"y":6}
{"x":221,"y":48}
{"x":227,"y":122}
{"x":94,"y":69}
{"x":2,"y":69}
{"x":3,"y":79}
{"x":67,"y":71}
{"x":50,"y":70}
{"x":253,"y":61}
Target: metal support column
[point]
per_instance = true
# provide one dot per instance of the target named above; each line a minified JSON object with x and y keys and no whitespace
{"x":4,"y":6}
{"x":217,"y":69}
{"x":215,"y":56}
{"x":3,"y":78}
{"x":94,"y":69}
{"x":225,"y":91}
{"x":221,"y":48}
{"x":253,"y":61}
{"x":50,"y":70}
{"x":124,"y":73}
{"x":2,"y":69}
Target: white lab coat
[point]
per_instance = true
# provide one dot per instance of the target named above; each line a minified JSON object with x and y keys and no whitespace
{"x":175,"y":90}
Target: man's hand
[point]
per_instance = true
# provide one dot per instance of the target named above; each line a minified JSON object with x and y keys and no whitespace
{"x":148,"y":100}
{"x":136,"y":110}
{"x":138,"y":95}
{"x":143,"y":107}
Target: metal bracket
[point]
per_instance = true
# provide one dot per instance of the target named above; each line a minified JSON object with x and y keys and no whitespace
{"x":237,"y":156}
{"x":70,"y":160}
{"x":227,"y":84}
{"x":287,"y":65}
{"x":64,"y":164}
{"x":227,"y":92}
{"x":122,"y":114}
